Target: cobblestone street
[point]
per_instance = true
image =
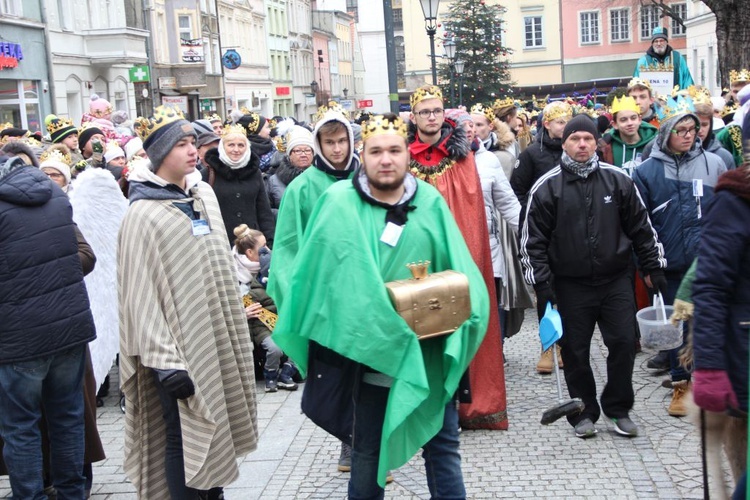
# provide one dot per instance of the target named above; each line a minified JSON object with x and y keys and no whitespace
{"x":295,"y":459}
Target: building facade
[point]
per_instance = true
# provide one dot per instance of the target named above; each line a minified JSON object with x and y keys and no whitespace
{"x":301,"y":55}
{"x":702,"y":51}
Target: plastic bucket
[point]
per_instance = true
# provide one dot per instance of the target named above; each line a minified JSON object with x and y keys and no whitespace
{"x":657,"y":333}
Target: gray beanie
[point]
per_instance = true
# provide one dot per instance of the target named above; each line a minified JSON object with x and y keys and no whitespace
{"x":201,"y":126}
{"x":159,"y":144}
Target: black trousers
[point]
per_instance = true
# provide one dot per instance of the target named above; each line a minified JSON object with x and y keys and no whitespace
{"x":612,"y":307}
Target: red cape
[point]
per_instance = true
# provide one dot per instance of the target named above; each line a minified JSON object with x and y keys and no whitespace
{"x":458,"y":182}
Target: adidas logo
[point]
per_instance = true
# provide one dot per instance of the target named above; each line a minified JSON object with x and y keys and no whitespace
{"x":607,"y":199}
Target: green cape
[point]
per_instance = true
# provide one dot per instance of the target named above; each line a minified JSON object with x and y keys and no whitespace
{"x":731,"y":138}
{"x":338,"y":299}
{"x":296,"y":206}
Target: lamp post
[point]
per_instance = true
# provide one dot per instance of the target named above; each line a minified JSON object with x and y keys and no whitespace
{"x":450,"y":53}
{"x":314,"y":87}
{"x":460,"y":72}
{"x":430,"y":11}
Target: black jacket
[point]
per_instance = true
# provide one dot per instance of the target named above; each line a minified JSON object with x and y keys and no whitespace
{"x":44,"y":305}
{"x":536,"y":160}
{"x":241,"y":194}
{"x":586,"y":229}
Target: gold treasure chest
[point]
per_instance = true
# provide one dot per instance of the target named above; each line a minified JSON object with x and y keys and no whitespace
{"x":432,"y":304}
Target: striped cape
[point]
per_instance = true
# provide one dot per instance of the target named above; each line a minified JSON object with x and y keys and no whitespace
{"x":180,"y":309}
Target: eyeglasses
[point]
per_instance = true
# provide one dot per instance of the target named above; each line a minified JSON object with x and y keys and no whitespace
{"x":425,"y":113}
{"x":685,"y":132}
{"x":301,"y":151}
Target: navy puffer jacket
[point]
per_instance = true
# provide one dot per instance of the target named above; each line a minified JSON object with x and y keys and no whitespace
{"x":43,"y":301}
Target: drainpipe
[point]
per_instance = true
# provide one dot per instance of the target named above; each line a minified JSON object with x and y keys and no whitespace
{"x":50,"y":79}
{"x":562,"y":51}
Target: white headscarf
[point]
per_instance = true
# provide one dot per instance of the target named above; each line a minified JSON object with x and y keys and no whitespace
{"x":224,"y":157}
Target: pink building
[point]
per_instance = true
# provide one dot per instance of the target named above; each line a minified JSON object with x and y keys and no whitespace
{"x":322,"y":64}
{"x":602,"y":40}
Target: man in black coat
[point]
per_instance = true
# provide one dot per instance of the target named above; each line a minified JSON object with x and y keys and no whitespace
{"x":46,"y":326}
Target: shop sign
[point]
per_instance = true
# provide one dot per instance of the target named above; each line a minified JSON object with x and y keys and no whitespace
{"x":10,"y":54}
{"x":282,"y":90}
{"x":179,"y":101}
{"x":364,"y":103}
{"x":167,"y":82}
{"x":231,"y":59}
{"x":139,"y":74}
{"x":191,"y":50}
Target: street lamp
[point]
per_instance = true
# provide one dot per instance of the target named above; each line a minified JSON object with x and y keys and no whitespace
{"x":460,"y":72}
{"x":346,"y":92}
{"x":449,"y":46}
{"x":430,"y":11}
{"x":314,"y":87}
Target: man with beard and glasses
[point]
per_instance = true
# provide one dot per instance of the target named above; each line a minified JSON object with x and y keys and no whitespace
{"x":361,"y":235}
{"x":662,"y":57}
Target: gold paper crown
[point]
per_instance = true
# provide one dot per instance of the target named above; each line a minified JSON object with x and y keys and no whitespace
{"x":163,"y":115}
{"x":502,"y":103}
{"x":331,"y":106}
{"x":625,"y":103}
{"x":253,"y":121}
{"x":234,"y":128}
{"x":101,"y":113}
{"x":58,"y":124}
{"x":55,"y":155}
{"x":699,"y":95}
{"x":729,"y":109}
{"x":245,"y":111}
{"x":555,"y":111}
{"x":213,"y":117}
{"x":676,"y":106}
{"x":742,"y":75}
{"x":639,"y":82}
{"x":425,"y":92}
{"x":479,"y":109}
{"x":380,"y":125}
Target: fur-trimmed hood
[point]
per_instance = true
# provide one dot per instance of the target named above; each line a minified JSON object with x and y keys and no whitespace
{"x":504,"y":134}
{"x":452,"y":141}
{"x":14,"y":148}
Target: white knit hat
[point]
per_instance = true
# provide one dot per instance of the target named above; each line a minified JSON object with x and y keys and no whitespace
{"x":298,"y":136}
{"x":58,"y":165}
{"x":113,"y":152}
{"x":132,"y":147}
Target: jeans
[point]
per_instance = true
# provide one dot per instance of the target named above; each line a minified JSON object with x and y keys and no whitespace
{"x":676,"y":372}
{"x":174,"y":460}
{"x":441,"y":456}
{"x":54,"y":382}
{"x":273,"y":354}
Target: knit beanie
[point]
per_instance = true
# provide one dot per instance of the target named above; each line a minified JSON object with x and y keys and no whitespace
{"x":59,"y":128}
{"x":357,"y":132}
{"x":160,"y":143}
{"x":113,"y":152}
{"x":201,"y":126}
{"x":253,"y":122}
{"x":132,"y":147}
{"x":99,"y":107}
{"x":458,"y":116}
{"x":580,"y":123}
{"x":57,"y":165}
{"x":206,"y":138}
{"x":659,"y":32}
{"x":299,"y":136}
{"x":85,"y":134}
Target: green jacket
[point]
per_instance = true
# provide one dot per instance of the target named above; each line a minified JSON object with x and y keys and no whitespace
{"x":685,"y":292}
{"x":620,"y":154}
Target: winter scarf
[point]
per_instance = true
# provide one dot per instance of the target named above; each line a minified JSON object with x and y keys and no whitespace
{"x":580,"y":169}
{"x":246,"y":268}
{"x":234,"y":165}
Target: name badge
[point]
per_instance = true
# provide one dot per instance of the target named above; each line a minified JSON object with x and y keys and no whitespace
{"x":200,"y":227}
{"x":391,"y":234}
{"x":697,"y":187}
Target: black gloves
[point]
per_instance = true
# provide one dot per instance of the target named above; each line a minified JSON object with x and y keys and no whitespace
{"x":658,"y":282}
{"x":544,"y":294}
{"x":177,"y":384}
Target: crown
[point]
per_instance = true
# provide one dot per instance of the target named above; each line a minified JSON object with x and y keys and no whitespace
{"x":639,"y":82}
{"x":625,"y":103}
{"x":479,"y":109}
{"x":699,"y":95}
{"x":163,"y":115}
{"x":502,"y":103}
{"x":234,"y":128}
{"x":55,"y":155}
{"x":742,"y":75}
{"x":554,"y":111}
{"x":253,"y":121}
{"x":380,"y":125}
{"x":419,"y":269}
{"x":425,"y":92}
{"x":673,"y":107}
{"x":213,"y":117}
{"x":331,"y":106}
{"x":729,"y":109}
{"x":56,"y":124}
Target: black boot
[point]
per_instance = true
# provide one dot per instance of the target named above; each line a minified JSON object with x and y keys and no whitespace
{"x":660,"y":362}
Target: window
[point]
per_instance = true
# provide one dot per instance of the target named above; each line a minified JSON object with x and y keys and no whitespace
{"x":649,"y":20}
{"x":533,"y":32}
{"x":681,"y":10}
{"x":11,"y":8}
{"x":398,"y":19}
{"x":619,"y":25}
{"x":589,"y":24}
{"x":186,"y":27}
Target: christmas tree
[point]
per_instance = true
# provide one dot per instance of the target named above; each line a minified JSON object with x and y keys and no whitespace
{"x":476,"y":29}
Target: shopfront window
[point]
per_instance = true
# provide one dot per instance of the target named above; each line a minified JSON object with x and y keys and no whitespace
{"x":19,"y":104}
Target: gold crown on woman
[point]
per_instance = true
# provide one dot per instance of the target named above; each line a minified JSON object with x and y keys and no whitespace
{"x":163,"y":115}
{"x":479,"y":109}
{"x":560,"y":110}
{"x":503,"y":103}
{"x":55,"y":155}
{"x":742,"y":75}
{"x":425,"y":92}
{"x":380,"y":125}
{"x":234,"y":128}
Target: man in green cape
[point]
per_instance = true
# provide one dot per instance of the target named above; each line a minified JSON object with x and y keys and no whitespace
{"x":360,"y":236}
